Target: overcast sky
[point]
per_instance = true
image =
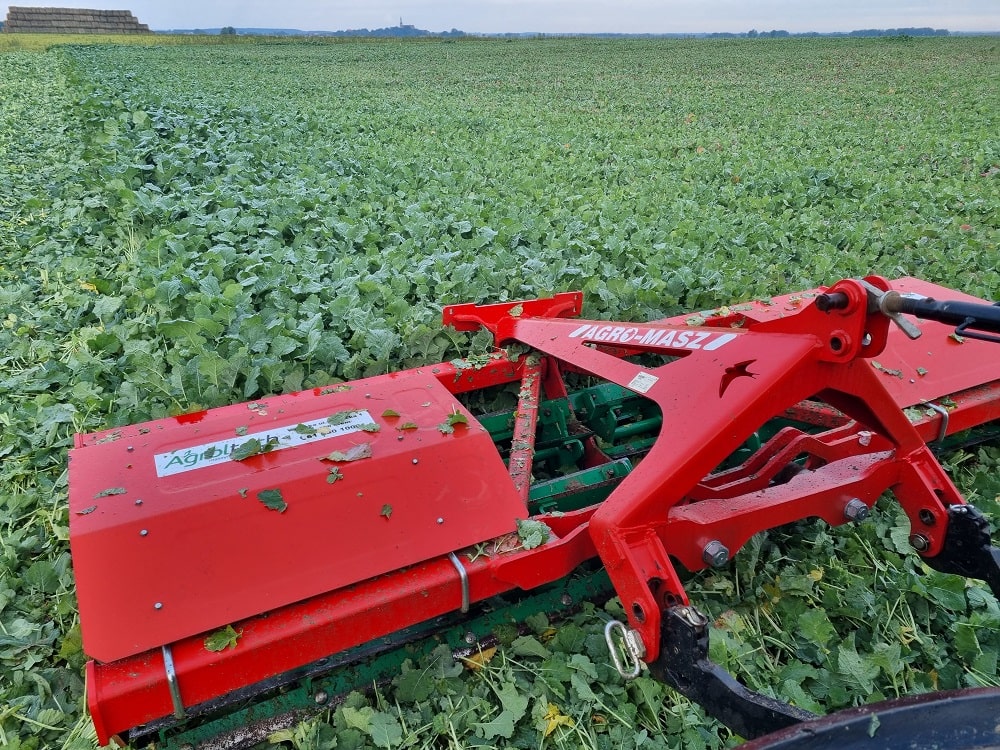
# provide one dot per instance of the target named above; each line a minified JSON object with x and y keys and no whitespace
{"x":557,"y":16}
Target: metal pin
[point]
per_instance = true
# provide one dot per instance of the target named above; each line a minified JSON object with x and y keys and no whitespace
{"x":144,"y":532}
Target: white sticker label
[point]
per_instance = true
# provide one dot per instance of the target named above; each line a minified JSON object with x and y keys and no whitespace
{"x":661,"y":338}
{"x":278,"y":438}
{"x":642,"y":382}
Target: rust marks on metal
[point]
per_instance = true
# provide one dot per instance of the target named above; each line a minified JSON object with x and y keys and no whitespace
{"x":522,"y":447}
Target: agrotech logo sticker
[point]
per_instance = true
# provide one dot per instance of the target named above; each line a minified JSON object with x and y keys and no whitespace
{"x":219,"y":451}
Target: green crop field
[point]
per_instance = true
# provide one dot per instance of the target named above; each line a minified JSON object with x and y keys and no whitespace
{"x":189,"y":225}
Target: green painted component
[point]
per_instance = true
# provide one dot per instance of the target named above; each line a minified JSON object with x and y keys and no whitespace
{"x":362,"y":668}
{"x":641,"y":427}
{"x":578,"y":490}
{"x":630,"y":448}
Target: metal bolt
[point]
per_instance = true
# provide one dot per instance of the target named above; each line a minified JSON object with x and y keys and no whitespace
{"x":144,"y":532}
{"x":856,"y":511}
{"x":130,"y":449}
{"x":470,"y":638}
{"x":321,"y":697}
{"x":920,"y":543}
{"x":158,"y":605}
{"x":566,"y":600}
{"x":440,"y":520}
{"x":416,"y":461}
{"x":138,"y":501}
{"x":715,"y":553}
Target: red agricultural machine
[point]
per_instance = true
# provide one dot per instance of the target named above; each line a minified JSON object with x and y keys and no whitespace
{"x":332,"y":527}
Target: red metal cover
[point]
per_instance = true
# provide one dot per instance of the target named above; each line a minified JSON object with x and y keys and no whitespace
{"x":913,"y":371}
{"x":171,"y":537}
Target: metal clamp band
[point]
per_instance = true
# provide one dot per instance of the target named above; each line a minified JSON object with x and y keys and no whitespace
{"x":464,"y":578}
{"x":172,"y":684}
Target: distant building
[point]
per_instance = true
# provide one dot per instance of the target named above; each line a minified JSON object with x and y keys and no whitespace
{"x":72,"y":21}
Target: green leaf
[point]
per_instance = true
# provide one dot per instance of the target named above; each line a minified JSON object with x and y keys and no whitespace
{"x":386,"y":511}
{"x":304,"y":429}
{"x":501,"y":726}
{"x":407,"y":426}
{"x":859,"y":670}
{"x":815,"y":627}
{"x":72,"y":644}
{"x":390,"y":414}
{"x":273,"y":500}
{"x":42,"y":576}
{"x":243,"y":451}
{"x":532,"y":533}
{"x":358,"y":718}
{"x":966,"y":642}
{"x":528,"y":645}
{"x":334,"y":475}
{"x":873,"y":725}
{"x":414,"y":686}
{"x":946,"y":591}
{"x":222,"y":639}
{"x":385,"y":730}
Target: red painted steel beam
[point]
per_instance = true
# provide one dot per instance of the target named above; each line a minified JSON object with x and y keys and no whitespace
{"x":522,"y":445}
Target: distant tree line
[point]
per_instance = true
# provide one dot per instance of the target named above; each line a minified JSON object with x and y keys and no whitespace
{"x":752,"y":34}
{"x":401,"y":30}
{"x":407,"y":30}
{"x":922,"y":31}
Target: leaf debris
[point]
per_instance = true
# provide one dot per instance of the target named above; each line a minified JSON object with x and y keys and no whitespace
{"x":354,"y":453}
{"x":110,"y":491}
{"x":222,"y":639}
{"x":273,"y":500}
{"x":532,"y":533}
